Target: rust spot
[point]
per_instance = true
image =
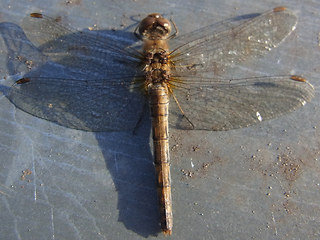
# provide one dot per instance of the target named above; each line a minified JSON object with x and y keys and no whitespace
{"x":200,"y":171}
{"x":290,"y":168}
{"x":25,"y":173}
{"x":195,"y":148}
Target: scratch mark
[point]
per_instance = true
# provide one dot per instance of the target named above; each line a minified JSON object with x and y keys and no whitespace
{"x":32,"y":154}
{"x":52,"y":223}
{"x":274,"y":223}
{"x":5,"y":188}
{"x":4,"y":193}
{"x":35,"y":175}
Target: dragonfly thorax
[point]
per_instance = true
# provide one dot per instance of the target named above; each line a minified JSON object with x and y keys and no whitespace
{"x":157,"y":75}
{"x":157,"y":66}
{"x":156,"y":56}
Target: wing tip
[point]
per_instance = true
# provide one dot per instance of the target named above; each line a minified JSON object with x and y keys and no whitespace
{"x":23,"y":80}
{"x":279,"y":9}
{"x":298,"y":78}
{"x":36,"y":15}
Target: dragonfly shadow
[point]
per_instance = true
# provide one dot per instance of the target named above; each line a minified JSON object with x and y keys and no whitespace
{"x":132,"y":168}
{"x":14,"y":43}
{"x":82,"y":93}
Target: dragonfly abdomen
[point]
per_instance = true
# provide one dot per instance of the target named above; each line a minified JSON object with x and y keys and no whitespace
{"x":159,"y":105}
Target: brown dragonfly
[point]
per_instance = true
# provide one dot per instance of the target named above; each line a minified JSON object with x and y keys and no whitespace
{"x":188,"y":75}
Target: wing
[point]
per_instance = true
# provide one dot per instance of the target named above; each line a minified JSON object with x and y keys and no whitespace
{"x":213,"y":103}
{"x":219,"y":104}
{"x":91,"y":88}
{"x":91,"y":105}
{"x":104,"y":52}
{"x":17,"y":53}
{"x":215,"y":48}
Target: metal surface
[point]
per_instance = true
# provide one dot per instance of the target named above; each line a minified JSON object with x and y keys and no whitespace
{"x":218,"y":163}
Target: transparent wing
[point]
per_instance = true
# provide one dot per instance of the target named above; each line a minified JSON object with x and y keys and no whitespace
{"x":90,"y":88}
{"x":17,"y":53}
{"x":90,"y":51}
{"x":219,"y":104}
{"x":213,"y":103}
{"x":91,"y":105}
{"x":215,"y":48}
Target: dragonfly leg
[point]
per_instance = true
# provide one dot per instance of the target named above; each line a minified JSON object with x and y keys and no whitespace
{"x":181,"y":110}
{"x":175,"y":29}
{"x":141,"y":117}
{"x":136,"y":34}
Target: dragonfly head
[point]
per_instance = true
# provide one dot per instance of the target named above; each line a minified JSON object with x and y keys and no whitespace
{"x":154,"y":26}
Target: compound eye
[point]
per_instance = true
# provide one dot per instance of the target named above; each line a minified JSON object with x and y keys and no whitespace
{"x":165,"y":24}
{"x":154,"y":26}
{"x":146,"y":24}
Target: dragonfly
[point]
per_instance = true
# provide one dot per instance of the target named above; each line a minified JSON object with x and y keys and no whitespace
{"x":127,"y":80}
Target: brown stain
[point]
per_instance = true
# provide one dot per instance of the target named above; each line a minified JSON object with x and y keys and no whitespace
{"x":175,"y":142}
{"x":282,"y":163}
{"x":195,"y":148}
{"x":291,"y":167}
{"x":181,"y":148}
{"x":293,"y":161}
{"x":202,"y":170}
{"x":290,"y":207}
{"x":58,"y":19}
{"x":287,"y":166}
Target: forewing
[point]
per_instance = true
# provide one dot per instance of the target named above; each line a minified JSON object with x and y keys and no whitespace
{"x":89,"y":51}
{"x":219,"y":104}
{"x":213,"y":49}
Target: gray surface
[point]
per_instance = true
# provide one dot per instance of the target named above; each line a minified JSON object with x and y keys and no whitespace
{"x":260,"y":182}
